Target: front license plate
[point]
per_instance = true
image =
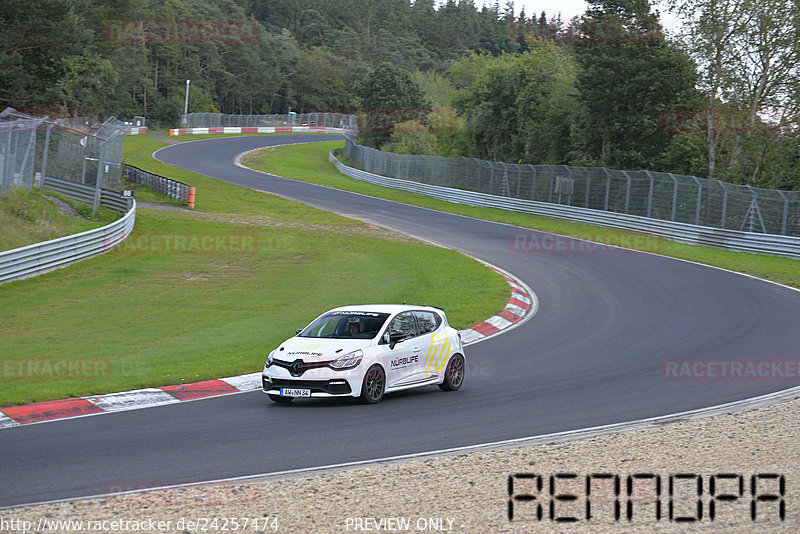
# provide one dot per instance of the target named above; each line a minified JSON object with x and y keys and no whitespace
{"x":293,"y":392}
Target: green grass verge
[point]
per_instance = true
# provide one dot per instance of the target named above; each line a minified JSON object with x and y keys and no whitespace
{"x":28,"y":217}
{"x":309,"y":162}
{"x":194,"y":296}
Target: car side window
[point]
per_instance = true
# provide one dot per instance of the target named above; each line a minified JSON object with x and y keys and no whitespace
{"x":427,"y":321}
{"x":404,"y":323}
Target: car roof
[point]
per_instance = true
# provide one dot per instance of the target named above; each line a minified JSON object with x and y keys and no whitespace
{"x":386,"y":308}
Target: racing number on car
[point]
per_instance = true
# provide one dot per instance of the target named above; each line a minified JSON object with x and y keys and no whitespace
{"x":437,"y":354}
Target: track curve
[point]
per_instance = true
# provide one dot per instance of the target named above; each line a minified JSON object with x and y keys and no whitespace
{"x":591,"y":356}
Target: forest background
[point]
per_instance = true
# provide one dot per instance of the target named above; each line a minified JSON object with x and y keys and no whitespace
{"x":719,"y":99}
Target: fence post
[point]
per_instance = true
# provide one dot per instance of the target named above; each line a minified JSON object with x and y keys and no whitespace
{"x":627,"y":192}
{"x":588,"y":186}
{"x":674,"y":194}
{"x":97,"y":190}
{"x":699,"y":199}
{"x":28,"y":156}
{"x":785,"y":211}
{"x":5,"y":150}
{"x":650,"y":195}
{"x":724,"y":203}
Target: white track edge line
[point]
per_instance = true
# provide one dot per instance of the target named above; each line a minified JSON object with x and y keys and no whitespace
{"x":761,"y":401}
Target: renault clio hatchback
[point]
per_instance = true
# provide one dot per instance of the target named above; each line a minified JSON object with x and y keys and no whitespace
{"x":364,"y":352}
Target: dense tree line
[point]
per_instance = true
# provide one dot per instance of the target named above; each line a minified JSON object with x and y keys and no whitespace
{"x":609,"y":88}
{"x":132,"y":57}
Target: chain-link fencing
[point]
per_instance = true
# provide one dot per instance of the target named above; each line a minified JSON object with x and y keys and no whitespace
{"x":658,"y":195}
{"x":77,"y":150}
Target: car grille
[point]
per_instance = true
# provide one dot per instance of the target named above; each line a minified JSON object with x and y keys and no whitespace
{"x":298,"y":367}
{"x":339,"y":387}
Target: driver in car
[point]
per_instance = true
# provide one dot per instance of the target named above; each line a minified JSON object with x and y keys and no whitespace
{"x":355,"y":327}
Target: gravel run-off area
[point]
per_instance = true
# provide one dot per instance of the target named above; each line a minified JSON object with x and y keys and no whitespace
{"x":469,"y":492}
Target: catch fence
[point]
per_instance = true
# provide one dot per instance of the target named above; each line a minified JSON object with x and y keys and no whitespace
{"x":79,"y":150}
{"x":657,"y":195}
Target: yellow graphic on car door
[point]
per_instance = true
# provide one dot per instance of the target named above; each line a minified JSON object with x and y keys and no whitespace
{"x":437,"y":354}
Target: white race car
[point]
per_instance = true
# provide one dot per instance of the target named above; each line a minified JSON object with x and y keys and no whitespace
{"x":366,"y":351}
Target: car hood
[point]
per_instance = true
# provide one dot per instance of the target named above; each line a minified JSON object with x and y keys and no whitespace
{"x":311,"y":349}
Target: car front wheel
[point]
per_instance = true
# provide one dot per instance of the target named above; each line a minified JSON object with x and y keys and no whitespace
{"x":454,"y":375}
{"x":374,"y":385}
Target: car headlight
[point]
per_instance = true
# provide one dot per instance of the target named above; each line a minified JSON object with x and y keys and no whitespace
{"x":348,"y":361}
{"x":270,"y":357}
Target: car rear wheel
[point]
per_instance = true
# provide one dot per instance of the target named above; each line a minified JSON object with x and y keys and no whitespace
{"x":279,"y":399}
{"x":454,"y":374}
{"x":374,"y":385}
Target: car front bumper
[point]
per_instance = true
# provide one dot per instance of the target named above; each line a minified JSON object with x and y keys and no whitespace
{"x":321,"y":382}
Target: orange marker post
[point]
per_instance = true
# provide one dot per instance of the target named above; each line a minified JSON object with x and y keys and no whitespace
{"x":190,"y":200}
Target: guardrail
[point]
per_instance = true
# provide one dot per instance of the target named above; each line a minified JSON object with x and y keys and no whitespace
{"x":42,"y":257}
{"x":172,"y":188}
{"x":686,"y":233}
{"x":254,"y":130}
{"x":84,"y":193}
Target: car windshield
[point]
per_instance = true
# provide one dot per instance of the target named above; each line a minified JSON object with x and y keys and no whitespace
{"x":346,"y":325}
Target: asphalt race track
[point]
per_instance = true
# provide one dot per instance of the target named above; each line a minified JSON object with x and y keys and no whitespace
{"x":591,"y":356}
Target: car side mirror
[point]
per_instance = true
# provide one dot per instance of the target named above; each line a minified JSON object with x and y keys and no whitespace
{"x":299,"y":330}
{"x":395,"y":338}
